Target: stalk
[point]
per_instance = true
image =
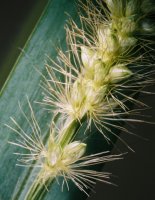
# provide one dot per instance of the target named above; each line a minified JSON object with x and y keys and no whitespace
{"x":38,"y":190}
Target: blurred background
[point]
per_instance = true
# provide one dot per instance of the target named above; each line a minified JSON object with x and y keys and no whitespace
{"x":17,"y":20}
{"x":135,"y":175}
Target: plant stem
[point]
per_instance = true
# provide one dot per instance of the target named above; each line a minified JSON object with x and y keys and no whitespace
{"x":39,"y":189}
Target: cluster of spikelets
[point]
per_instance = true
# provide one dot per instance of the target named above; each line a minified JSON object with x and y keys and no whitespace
{"x":103,"y":68}
{"x":106,"y":64}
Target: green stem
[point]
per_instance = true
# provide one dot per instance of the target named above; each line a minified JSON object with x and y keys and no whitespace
{"x":39,"y":189}
{"x":69,"y":132}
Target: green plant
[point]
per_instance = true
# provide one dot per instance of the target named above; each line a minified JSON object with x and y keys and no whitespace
{"x":91,"y":90}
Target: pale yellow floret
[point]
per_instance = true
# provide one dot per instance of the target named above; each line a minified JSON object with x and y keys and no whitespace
{"x":88,"y":57}
{"x":107,"y":44}
{"x":118,"y":73}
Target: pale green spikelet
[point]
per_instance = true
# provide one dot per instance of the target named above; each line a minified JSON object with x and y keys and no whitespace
{"x":119,"y":72}
{"x":106,"y":61}
{"x":59,"y":158}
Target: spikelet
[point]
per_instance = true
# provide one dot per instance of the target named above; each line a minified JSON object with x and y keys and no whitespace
{"x":105,"y":66}
{"x":56,"y":160}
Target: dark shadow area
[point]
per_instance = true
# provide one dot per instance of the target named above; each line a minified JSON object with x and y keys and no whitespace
{"x":135,"y":175}
{"x":17,"y":19}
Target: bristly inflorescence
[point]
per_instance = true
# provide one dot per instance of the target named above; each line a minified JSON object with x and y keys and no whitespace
{"x":56,"y":159}
{"x":106,"y":65}
{"x":107,"y":62}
